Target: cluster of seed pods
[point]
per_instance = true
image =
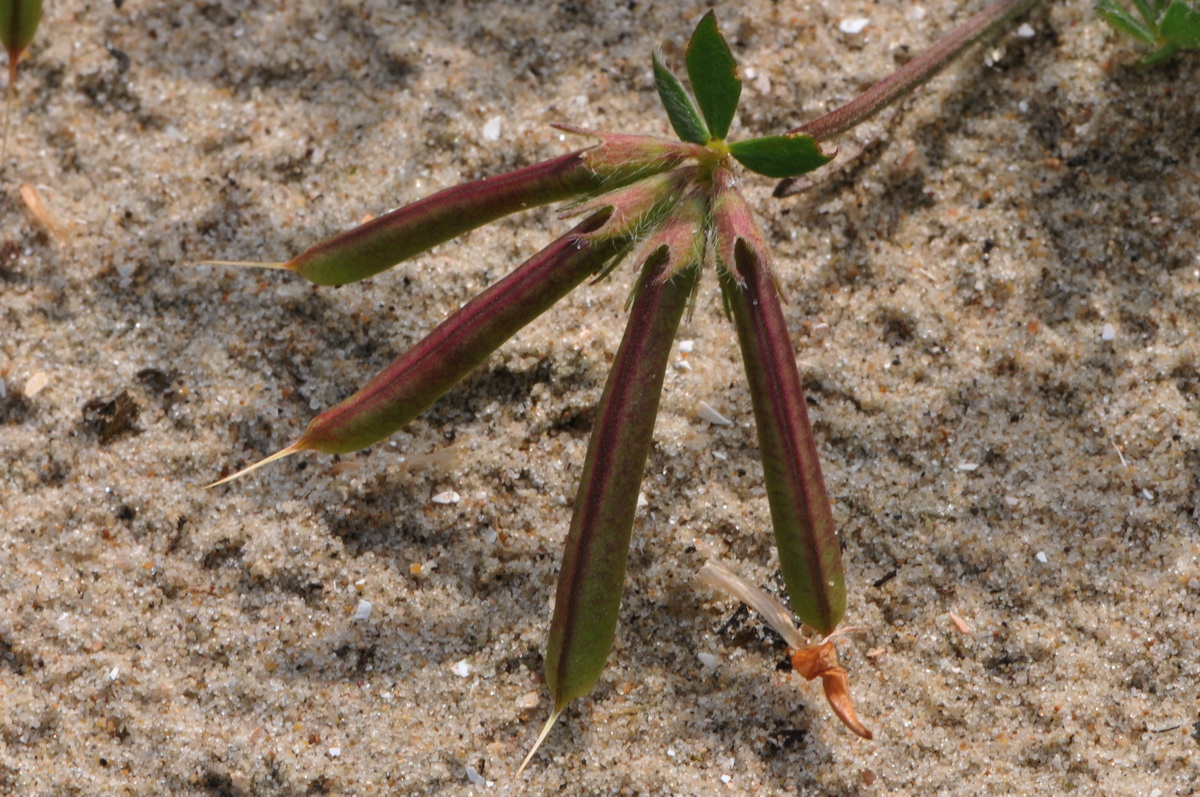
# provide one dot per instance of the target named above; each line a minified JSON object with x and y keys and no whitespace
{"x":674,"y":206}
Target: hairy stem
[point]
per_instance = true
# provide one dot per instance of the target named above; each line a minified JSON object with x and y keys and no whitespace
{"x":915,"y":72}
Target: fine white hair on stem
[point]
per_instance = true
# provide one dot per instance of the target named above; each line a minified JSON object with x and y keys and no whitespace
{"x":715,"y":574}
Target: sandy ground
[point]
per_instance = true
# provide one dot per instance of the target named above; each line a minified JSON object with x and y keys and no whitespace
{"x":995,"y":309}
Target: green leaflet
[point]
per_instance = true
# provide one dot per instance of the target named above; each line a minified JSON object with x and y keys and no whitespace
{"x":714,"y":77}
{"x":780,"y":156}
{"x":1181,"y":25}
{"x":1119,"y":17}
{"x":1169,"y":26}
{"x":685,"y":119}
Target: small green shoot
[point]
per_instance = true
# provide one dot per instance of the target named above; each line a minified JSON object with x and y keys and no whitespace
{"x":1167,"y":26}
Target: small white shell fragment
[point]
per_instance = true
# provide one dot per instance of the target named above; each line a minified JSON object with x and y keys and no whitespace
{"x":852,"y":26}
{"x":36,"y":384}
{"x":682,"y":365}
{"x":363,"y":610}
{"x":707,"y":659}
{"x":1149,"y":496}
{"x":126,"y":269}
{"x":968,"y":466}
{"x":491,"y":129}
{"x":113,"y":674}
{"x":461,"y":668}
{"x":475,"y":778}
{"x":1012,"y":500}
{"x":726,"y":779}
{"x":335,"y":752}
{"x":1026,"y":31}
{"x":1041,"y":557}
{"x":707,"y":413}
{"x":528,"y":700}
{"x":686,"y":346}
{"x":489,"y":536}
{"x":642,"y":500}
{"x":1108,"y":333}
{"x":448,"y":497}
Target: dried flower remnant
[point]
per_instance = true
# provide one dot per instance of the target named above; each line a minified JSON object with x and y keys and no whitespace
{"x":810,"y":661}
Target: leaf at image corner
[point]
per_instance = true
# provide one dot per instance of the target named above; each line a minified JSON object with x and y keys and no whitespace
{"x":713,"y":74}
{"x":780,"y":156}
{"x":1181,"y":25}
{"x":685,"y":119}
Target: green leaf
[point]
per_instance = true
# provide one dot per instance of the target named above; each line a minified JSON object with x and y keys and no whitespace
{"x":713,"y":73}
{"x":1121,"y":20}
{"x":680,"y":108}
{"x":1181,"y":25}
{"x":1149,"y":14}
{"x":780,"y":156}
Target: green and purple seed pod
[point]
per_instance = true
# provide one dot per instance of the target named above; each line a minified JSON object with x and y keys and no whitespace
{"x":383,"y":242}
{"x":810,"y":557}
{"x":592,"y":575}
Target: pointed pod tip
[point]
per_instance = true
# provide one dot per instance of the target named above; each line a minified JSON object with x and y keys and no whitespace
{"x":558,"y":710}
{"x":292,"y":449}
{"x":248,"y":263}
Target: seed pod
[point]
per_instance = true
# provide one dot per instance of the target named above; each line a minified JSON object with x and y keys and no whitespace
{"x":394,"y":237}
{"x":597,"y":547}
{"x":809,"y":555}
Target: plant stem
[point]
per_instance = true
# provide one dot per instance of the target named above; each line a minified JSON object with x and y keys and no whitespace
{"x":915,"y":72}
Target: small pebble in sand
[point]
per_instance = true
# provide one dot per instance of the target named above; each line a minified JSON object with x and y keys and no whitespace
{"x":1026,"y":31}
{"x":1041,"y":557}
{"x":707,"y":659}
{"x":708,"y":413}
{"x":335,"y":752}
{"x":447,"y":497}
{"x":363,"y":610}
{"x":852,"y":26}
{"x":36,"y":384}
{"x":491,"y":129}
{"x":1108,"y":333}
{"x":475,"y":778}
{"x":461,"y":668}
